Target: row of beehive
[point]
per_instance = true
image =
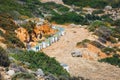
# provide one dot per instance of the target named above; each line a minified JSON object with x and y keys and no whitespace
{"x":50,"y":40}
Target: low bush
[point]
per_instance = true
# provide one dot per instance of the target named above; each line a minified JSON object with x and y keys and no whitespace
{"x":4,"y":60}
{"x":93,"y":3}
{"x":91,"y":17}
{"x":86,"y":3}
{"x":23,"y":76}
{"x":70,"y":17}
{"x":40,"y":60}
{"x":112,"y":39}
{"x":98,"y":12}
{"x":107,"y":18}
{"x":7,"y":23}
{"x":116,"y":33}
{"x":97,"y":44}
{"x":96,"y":24}
{"x":117,"y":22}
{"x":1,"y":33}
{"x":83,"y":43}
{"x":115,"y":3}
{"x":115,"y":60}
{"x":108,"y":50}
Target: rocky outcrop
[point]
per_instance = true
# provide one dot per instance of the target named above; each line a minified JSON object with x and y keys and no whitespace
{"x":38,"y":33}
{"x":44,"y":29}
{"x":22,"y":34}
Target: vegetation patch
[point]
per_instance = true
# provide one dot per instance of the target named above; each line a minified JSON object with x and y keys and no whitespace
{"x":87,"y":3}
{"x":115,"y":60}
{"x":23,"y":76}
{"x":93,"y":3}
{"x":83,"y":43}
{"x":70,"y":17}
{"x":4,"y":60}
{"x":100,"y":11}
{"x":7,"y":23}
{"x":97,"y":44}
{"x":96,"y":24}
{"x":108,"y":50}
{"x":40,"y":60}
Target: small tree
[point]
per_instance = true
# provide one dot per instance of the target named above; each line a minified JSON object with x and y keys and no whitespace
{"x":4,"y":60}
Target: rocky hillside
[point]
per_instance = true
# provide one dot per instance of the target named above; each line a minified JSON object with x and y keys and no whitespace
{"x":92,"y":36}
{"x":32,"y":34}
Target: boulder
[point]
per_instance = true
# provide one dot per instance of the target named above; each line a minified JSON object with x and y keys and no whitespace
{"x":50,"y":77}
{"x":11,"y":59}
{"x":39,"y":72}
{"x":17,"y":68}
{"x":65,"y":66}
{"x":76,"y":54}
{"x":11,"y":72}
{"x":108,"y":7}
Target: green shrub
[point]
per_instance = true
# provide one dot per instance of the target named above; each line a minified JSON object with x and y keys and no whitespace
{"x":107,"y":18}
{"x":40,"y":60}
{"x":4,"y":60}
{"x":93,"y":3}
{"x":1,"y":33}
{"x":98,"y":12}
{"x":116,"y":32}
{"x":92,"y":17}
{"x":70,"y":17}
{"x":115,"y":3}
{"x":115,"y":60}
{"x":52,"y":5}
{"x":83,"y":43}
{"x":94,"y":25}
{"x":108,"y":50}
{"x":97,"y":44}
{"x":78,"y":78}
{"x":86,"y":3}
{"x":112,"y":40}
{"x":23,"y":76}
{"x":7,"y":23}
{"x":117,"y":22}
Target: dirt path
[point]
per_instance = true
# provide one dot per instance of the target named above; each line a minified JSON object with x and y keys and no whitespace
{"x":92,"y":70}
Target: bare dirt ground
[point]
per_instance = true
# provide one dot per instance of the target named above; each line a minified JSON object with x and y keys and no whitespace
{"x":89,"y":69}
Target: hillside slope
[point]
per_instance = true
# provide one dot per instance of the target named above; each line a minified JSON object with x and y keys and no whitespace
{"x":83,"y":67}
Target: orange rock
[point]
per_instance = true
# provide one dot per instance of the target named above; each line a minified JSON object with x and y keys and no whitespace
{"x":97,"y":51}
{"x":38,"y":31}
{"x":44,"y":29}
{"x":22,"y":34}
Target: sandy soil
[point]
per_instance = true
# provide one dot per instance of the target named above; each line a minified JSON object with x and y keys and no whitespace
{"x":89,"y":69}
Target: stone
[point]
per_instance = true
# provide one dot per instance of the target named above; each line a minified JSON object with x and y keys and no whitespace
{"x":50,"y":77}
{"x":13,"y":65}
{"x":12,"y":59}
{"x":76,"y":54}
{"x":39,"y":72}
{"x":11,"y":72}
{"x":17,"y":68}
{"x":108,"y":7}
{"x":21,"y":69}
{"x":65,"y":66}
